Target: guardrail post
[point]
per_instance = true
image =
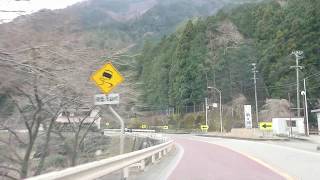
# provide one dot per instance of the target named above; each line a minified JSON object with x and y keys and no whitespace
{"x":143,"y":165}
{"x":153,"y":159}
{"x":164,"y":152}
{"x":169,"y":149}
{"x":125,"y":173}
{"x":160,"y":155}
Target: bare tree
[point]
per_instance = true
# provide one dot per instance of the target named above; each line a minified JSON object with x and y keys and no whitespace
{"x":80,"y":120}
{"x":38,"y":95}
{"x":34,"y":109}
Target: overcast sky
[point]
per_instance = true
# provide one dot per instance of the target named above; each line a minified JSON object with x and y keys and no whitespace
{"x":30,"y":6}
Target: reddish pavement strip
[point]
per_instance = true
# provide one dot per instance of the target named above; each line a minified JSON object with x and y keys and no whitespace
{"x":204,"y":161}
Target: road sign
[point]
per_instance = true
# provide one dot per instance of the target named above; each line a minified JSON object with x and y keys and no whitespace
{"x":267,"y":126}
{"x":143,"y":126}
{"x":165,"y":127}
{"x":204,"y":127}
{"x":107,"y":78}
{"x":102,"y":99}
{"x":247,"y":116}
{"x":214,"y":105}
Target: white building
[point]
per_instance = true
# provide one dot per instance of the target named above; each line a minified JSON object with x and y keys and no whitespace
{"x":317,"y":111}
{"x":85,"y":116}
{"x":281,"y":126}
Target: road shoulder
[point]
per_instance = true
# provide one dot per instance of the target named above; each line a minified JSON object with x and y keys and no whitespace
{"x":162,"y":169}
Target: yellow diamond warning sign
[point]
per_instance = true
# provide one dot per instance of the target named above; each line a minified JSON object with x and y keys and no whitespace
{"x":107,"y":78}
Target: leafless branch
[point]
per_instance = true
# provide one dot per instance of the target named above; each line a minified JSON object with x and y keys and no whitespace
{"x":26,"y":95}
{"x":8,"y":176}
{"x":87,"y":130}
{"x":9,"y":168}
{"x":13,"y":133}
{"x":17,"y":105}
{"x":11,"y":159}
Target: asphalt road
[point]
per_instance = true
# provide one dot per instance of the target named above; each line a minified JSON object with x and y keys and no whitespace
{"x":207,"y":161}
{"x":207,"y":158}
{"x":289,"y":161}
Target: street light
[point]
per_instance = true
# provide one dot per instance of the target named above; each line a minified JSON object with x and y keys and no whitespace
{"x":210,"y":87}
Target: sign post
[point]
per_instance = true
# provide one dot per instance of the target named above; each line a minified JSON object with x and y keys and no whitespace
{"x":122,"y":127}
{"x":247,"y":116}
{"x":106,"y":79}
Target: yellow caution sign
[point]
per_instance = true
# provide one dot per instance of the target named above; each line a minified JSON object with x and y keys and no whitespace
{"x":107,"y":78}
{"x":143,"y":126}
{"x":267,"y":126}
{"x":165,"y":127}
{"x":204,"y":127}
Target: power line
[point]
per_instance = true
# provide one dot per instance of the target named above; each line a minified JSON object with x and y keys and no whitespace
{"x":312,"y":75}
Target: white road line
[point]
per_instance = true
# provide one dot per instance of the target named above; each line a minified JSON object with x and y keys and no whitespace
{"x":172,"y":166}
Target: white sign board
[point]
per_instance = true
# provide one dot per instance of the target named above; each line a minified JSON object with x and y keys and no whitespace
{"x":247,"y":116}
{"x":102,"y":99}
{"x":214,"y":105}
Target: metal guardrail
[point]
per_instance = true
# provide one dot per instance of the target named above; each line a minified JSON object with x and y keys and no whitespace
{"x":104,"y":167}
{"x":130,"y":130}
{"x":155,"y":136}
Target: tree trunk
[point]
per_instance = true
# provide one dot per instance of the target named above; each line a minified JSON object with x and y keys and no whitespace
{"x":45,"y":150}
{"x":75,"y":150}
{"x":26,"y":159}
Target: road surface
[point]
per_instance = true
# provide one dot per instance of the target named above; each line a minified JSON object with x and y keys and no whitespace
{"x":290,"y":159}
{"x":206,"y":161}
{"x":202,"y":158}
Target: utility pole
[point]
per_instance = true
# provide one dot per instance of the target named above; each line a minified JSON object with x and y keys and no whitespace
{"x":304,"y":93}
{"x":254,"y":70}
{"x":291,"y":135}
{"x":220,"y":107}
{"x":220,"y":112}
{"x":206,"y":104}
{"x":298,"y":55}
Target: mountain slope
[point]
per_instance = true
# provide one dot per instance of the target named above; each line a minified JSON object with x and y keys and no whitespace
{"x":218,"y":51}
{"x":81,"y":37}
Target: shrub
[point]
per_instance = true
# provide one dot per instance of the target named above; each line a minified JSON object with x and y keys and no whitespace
{"x":135,"y":123}
{"x":55,"y":160}
{"x":188,"y":121}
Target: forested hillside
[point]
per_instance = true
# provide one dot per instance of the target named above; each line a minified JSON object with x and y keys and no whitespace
{"x":84,"y":36}
{"x":218,"y":51}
